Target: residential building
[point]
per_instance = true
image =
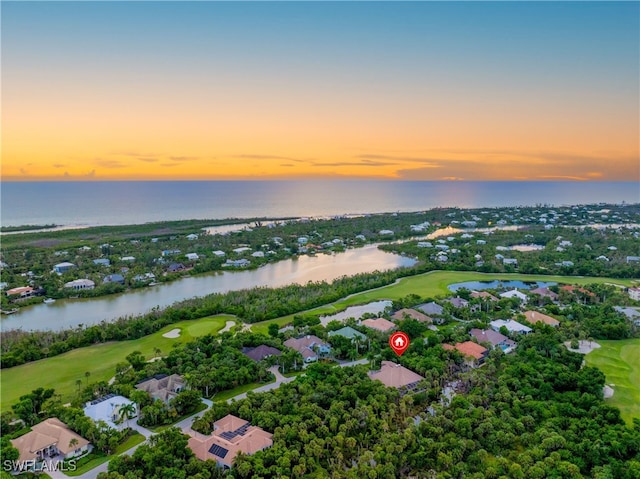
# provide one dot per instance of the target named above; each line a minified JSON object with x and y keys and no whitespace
{"x":534,"y":317}
{"x":634,"y":293}
{"x":22,"y":292}
{"x":109,"y":409}
{"x":219,"y":253}
{"x":347,"y":332}
{"x":237,"y":263}
{"x":102,"y":261}
{"x":231,"y":435}
{"x":396,"y":376}
{"x":261,"y":352}
{"x":128,"y":258}
{"x":163,"y":387}
{"x":192,"y":237}
{"x":412,"y":314}
{"x":514,"y":293}
{"x":511,"y":325}
{"x":175,"y":267}
{"x":545,"y":293}
{"x":496,"y":339}
{"x":113,"y":278}
{"x":633,"y":259}
{"x":191,"y":256}
{"x":310,"y":347}
{"x":80,"y":284}
{"x":379,"y":324}
{"x":431,"y":309}
{"x":483,"y":295}
{"x":61,"y":268}
{"x":473,"y":353}
{"x":50,"y":438}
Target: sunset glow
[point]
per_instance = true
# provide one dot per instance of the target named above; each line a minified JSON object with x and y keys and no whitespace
{"x":420,"y":91}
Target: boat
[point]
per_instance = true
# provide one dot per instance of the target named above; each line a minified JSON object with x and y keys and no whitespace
{"x":49,"y":301}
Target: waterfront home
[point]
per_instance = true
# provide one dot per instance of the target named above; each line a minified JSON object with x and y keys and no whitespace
{"x":48,"y":439}
{"x":113,"y":278}
{"x":238,"y":263}
{"x":175,"y":267}
{"x":483,"y":295}
{"x":231,"y":435}
{"x":511,"y":325}
{"x":494,"y":338}
{"x":535,"y":317}
{"x":431,"y":309}
{"x":22,"y":292}
{"x":163,"y":387}
{"x":61,"y":268}
{"x":394,"y":375}
{"x":514,"y":293}
{"x":80,"y":284}
{"x":310,"y":347}
{"x":347,"y":332}
{"x":110,"y":409}
{"x":261,"y":352}
{"x":379,"y":324}
{"x":545,"y":293}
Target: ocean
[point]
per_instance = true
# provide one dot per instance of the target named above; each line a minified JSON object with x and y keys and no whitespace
{"x":134,"y":202}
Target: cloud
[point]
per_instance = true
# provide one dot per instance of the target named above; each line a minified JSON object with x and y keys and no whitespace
{"x":183,"y":158}
{"x":356,"y":163}
{"x":109,"y":163}
{"x":167,"y":164}
{"x":401,"y":158}
{"x":89,"y":174}
{"x":287,"y":164}
{"x":272,"y":157}
{"x":59,"y":165}
{"x":148,"y":160}
{"x":23,"y":171}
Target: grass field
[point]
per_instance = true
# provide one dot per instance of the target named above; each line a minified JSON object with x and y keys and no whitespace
{"x":620,"y":362}
{"x":430,"y":284}
{"x":61,"y":372}
{"x":93,"y":460}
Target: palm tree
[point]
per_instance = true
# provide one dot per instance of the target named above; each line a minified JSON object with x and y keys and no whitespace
{"x":78,"y":383}
{"x":86,"y":375}
{"x":73,"y":443}
{"x":126,"y":412}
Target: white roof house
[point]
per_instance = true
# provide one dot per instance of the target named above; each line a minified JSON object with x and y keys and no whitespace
{"x":219,"y":253}
{"x":107,"y":409}
{"x":192,"y":256}
{"x":128,"y":258}
{"x":514,"y":293}
{"x":511,"y":325}
{"x":241,"y":250}
{"x":192,"y":237}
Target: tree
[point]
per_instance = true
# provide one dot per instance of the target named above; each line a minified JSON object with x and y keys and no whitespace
{"x":126,"y":412}
{"x":136,"y":359}
{"x":86,"y":375}
{"x":73,"y":443}
{"x":273,"y":330}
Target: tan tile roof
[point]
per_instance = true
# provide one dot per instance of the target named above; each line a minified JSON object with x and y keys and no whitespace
{"x":394,"y":375}
{"x":412,"y":313}
{"x":49,"y":432}
{"x":535,"y":317}
{"x":252,"y":440}
{"x":469,"y":348}
{"x":379,"y":324}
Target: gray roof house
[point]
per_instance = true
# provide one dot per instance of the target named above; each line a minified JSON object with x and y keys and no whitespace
{"x":431,"y":309}
{"x":260,"y":352}
{"x":113,"y":278}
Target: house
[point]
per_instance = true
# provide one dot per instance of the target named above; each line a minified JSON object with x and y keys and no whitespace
{"x":162,"y":386}
{"x":50,"y":438}
{"x":311,"y":347}
{"x":219,"y":253}
{"x":303,"y":240}
{"x":22,"y":292}
{"x":109,"y":409}
{"x":113,"y":278}
{"x":424,"y":244}
{"x":385,"y":232}
{"x":102,"y":261}
{"x":261,"y":352}
{"x":458,"y":302}
{"x":175,"y":267}
{"x":241,"y":249}
{"x":379,"y":324}
{"x":61,"y":268}
{"x":633,"y":259}
{"x":511,"y":261}
{"x":169,"y":252}
{"x":634,"y":293}
{"x":412,"y":314}
{"x":144,"y":277}
{"x":630,"y":313}
{"x":545,"y":293}
{"x":192,"y":237}
{"x":396,"y":376}
{"x":347,"y":332}
{"x":514,"y":293}
{"x":258,"y":254}
{"x":473,"y":353}
{"x":573,"y":289}
{"x":191,"y":256}
{"x":496,"y":339}
{"x":80,"y":284}
{"x":511,"y":325}
{"x":483,"y":295}
{"x":534,"y":317}
{"x":231,"y":435}
{"x":238,"y":263}
{"x":431,"y":309}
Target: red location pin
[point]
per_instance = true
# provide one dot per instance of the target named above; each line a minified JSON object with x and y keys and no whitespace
{"x":399,"y":342}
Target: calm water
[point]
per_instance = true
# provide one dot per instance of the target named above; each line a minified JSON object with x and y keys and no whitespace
{"x":497,"y":284}
{"x":64,"y":314}
{"x":98,"y":203}
{"x":376,"y":307}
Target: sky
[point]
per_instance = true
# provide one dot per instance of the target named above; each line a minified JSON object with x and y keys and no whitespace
{"x":289,"y":90}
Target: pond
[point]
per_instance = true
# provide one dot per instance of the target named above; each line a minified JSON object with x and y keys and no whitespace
{"x":497,"y":284}
{"x":356,"y":312}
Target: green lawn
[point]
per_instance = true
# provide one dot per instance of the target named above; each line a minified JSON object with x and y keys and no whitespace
{"x":430,"y":284}
{"x":94,"y":460}
{"x":201,"y":407}
{"x":61,"y":372}
{"x":620,"y":362}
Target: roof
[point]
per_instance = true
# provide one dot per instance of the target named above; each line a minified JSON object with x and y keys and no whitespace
{"x":261,"y":352}
{"x":469,"y":348}
{"x":573,"y":289}
{"x":544,"y":292}
{"x":511,"y":325}
{"x":79,"y":282}
{"x":535,"y":317}
{"x":512,"y":293}
{"x":162,"y":387}
{"x":394,"y":375}
{"x":488,"y":336}
{"x":347,"y":332}
{"x":230,"y":436}
{"x":483,"y":295}
{"x":413,"y":314}
{"x":305,"y":343}
{"x":19,"y":290}
{"x":431,"y":308}
{"x":49,"y":432}
{"x":63,"y":264}
{"x":379,"y":324}
{"x":458,"y":302}
{"x":105,"y":407}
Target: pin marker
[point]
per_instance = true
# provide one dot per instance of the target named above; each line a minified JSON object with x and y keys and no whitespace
{"x":399,"y":342}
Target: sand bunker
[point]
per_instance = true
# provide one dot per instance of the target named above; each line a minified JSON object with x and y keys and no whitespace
{"x":607,"y":391}
{"x":227,"y":327}
{"x":174,"y":333}
{"x":585,"y":347}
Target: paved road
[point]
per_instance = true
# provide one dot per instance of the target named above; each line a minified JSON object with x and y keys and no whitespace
{"x":185,"y":424}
